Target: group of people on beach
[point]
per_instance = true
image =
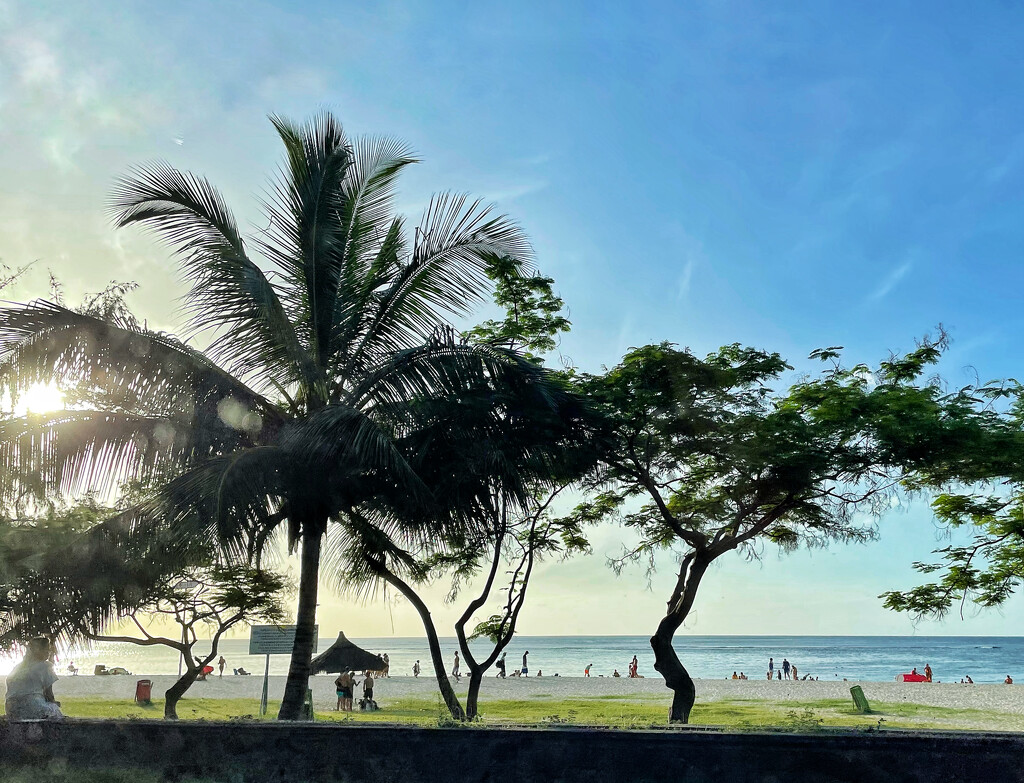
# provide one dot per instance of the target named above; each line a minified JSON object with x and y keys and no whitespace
{"x":501,"y":666}
{"x":787,"y":671}
{"x":345,"y":685}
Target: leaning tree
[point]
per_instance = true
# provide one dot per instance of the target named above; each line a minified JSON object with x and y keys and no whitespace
{"x":703,"y":459}
{"x":321,"y":329}
{"x":520,"y":441}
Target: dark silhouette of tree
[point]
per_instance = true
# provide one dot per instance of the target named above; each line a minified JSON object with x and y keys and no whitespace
{"x":705,"y":459}
{"x":517,"y":446}
{"x":294,"y":416}
{"x":82,"y":573}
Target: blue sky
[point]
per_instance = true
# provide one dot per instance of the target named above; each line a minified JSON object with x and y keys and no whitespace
{"x":787,"y":175}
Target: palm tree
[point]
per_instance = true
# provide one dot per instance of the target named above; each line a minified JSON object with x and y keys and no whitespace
{"x":295,"y":413}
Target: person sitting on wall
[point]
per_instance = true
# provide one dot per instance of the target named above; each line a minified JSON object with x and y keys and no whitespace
{"x":30,"y":685}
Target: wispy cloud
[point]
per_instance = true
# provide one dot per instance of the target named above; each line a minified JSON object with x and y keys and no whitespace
{"x":536,"y":160}
{"x":512,"y":192}
{"x":683,"y":289}
{"x":890,"y":281}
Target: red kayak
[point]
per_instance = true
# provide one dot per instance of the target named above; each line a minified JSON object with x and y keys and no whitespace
{"x":911,"y":678}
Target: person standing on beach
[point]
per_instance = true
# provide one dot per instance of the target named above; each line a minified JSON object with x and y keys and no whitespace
{"x":794,"y":670}
{"x":586,"y":671}
{"x":387,"y":665}
{"x":368,"y":690}
{"x":928,"y":672}
{"x":220,"y":665}
{"x":455,"y":668}
{"x":501,"y":666}
{"x":771,"y":668}
{"x":525,"y":671}
{"x":416,"y":669}
{"x":633,"y":667}
{"x":339,"y":689}
{"x":785,"y":668}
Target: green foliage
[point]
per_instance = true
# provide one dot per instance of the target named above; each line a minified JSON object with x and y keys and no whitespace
{"x":986,"y":572}
{"x":71,"y":573}
{"x":979,"y":478}
{"x":803,"y":720}
{"x":724,"y":461}
{"x":533,"y":313}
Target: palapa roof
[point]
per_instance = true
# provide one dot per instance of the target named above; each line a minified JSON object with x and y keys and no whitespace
{"x":343,"y":656}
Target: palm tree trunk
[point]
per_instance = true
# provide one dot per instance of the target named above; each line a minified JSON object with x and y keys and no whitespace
{"x":305,"y":622}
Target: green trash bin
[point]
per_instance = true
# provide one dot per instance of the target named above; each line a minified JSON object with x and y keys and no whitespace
{"x":860,"y":701}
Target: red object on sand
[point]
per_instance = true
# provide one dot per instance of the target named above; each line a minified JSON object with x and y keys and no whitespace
{"x":207,"y":670}
{"x":144,"y":691}
{"x":911,"y":678}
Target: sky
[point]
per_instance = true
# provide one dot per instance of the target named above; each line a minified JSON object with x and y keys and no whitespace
{"x":785,"y":175}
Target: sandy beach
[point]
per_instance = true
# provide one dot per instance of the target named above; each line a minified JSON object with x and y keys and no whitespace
{"x":1002,"y":698}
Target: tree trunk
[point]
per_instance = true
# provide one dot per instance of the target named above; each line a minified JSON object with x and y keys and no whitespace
{"x":476,"y":677}
{"x":173,"y":694}
{"x":451,"y":701}
{"x":667,"y":663}
{"x":305,"y":620}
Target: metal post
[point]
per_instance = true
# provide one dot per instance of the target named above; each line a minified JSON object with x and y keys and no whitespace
{"x":181,"y":657}
{"x":266,"y":683}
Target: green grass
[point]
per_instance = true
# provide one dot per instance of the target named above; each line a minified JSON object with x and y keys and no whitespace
{"x":611,"y":711}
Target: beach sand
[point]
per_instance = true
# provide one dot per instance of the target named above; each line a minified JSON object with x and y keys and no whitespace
{"x":1001,"y":698}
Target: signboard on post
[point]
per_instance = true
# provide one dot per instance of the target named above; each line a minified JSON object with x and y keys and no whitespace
{"x":274,"y":640}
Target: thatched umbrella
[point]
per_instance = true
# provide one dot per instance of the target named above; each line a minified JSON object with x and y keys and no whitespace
{"x":343,"y":656}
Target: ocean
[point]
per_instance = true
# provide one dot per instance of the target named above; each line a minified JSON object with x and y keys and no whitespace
{"x":870,"y":658}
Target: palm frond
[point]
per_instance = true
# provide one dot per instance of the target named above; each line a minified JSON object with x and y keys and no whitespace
{"x":130,"y":370}
{"x":354,"y":547}
{"x":447,"y":273}
{"x":356,"y":459}
{"x":229,"y":294}
{"x":227,"y":499}
{"x":308,"y":233}
{"x":73,"y":452}
{"x":443,"y":365}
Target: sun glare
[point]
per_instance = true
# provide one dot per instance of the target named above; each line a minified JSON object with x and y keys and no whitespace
{"x":39,"y":398}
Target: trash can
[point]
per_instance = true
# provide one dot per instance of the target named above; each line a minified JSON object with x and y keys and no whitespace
{"x":144,"y":692}
{"x":860,"y":701}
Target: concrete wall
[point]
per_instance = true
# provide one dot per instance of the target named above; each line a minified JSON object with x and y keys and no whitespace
{"x":318,"y":752}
